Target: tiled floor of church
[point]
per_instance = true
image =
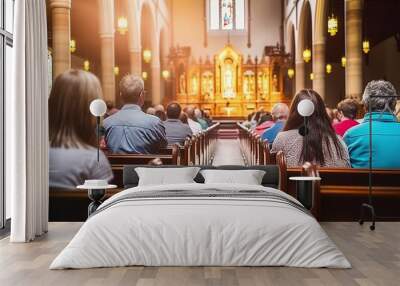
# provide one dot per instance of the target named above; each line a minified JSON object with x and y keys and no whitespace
{"x":375,"y":257}
{"x":228,"y":153}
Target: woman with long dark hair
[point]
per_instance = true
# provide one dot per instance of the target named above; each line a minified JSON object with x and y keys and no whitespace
{"x":72,"y":136}
{"x":324,"y":147}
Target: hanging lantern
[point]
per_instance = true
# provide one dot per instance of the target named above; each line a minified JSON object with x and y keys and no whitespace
{"x":144,"y":75}
{"x":116,"y":71}
{"x":165,"y":74}
{"x":307,"y":55}
{"x":86,"y":65}
{"x":312,"y":76}
{"x":366,"y":46}
{"x":344,"y":61}
{"x":147,"y":56}
{"x":328,"y":68}
{"x":290,"y":73}
{"x":72,"y":46}
{"x":333,"y":25}
{"x":122,"y":25}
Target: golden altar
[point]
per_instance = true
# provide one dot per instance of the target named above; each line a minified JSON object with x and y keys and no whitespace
{"x":228,"y":86}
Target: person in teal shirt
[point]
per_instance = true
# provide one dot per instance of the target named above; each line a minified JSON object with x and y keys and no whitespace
{"x":385,"y":129}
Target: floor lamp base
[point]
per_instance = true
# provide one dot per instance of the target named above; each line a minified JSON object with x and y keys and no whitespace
{"x":372,"y":210}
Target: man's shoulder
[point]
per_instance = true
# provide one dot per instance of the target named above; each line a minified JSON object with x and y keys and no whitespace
{"x":136,"y":118}
{"x":150,"y":118}
{"x":176,"y":124}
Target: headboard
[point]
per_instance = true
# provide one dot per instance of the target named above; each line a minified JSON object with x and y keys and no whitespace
{"x":270,"y":179}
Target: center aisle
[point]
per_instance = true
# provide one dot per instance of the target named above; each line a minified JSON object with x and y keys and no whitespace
{"x":228,"y":152}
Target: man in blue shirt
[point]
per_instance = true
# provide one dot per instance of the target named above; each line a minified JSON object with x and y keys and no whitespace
{"x":385,"y":129}
{"x":130,"y":130}
{"x":176,"y":130}
{"x":280,"y":113}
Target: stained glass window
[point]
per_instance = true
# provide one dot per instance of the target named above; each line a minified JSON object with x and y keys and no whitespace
{"x":226,"y":14}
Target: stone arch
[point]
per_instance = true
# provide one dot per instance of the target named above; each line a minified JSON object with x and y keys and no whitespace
{"x":149,"y":41}
{"x":135,"y":48}
{"x":164,"y":64}
{"x":305,"y":40}
{"x":291,"y":48}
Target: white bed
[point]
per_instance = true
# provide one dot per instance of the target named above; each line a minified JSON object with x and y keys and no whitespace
{"x":234,"y":229}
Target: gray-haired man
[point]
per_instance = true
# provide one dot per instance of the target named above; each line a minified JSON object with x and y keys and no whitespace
{"x":385,"y":129}
{"x":131,"y":130}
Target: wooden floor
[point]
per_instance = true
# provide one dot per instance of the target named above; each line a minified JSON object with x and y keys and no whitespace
{"x":375,"y":257}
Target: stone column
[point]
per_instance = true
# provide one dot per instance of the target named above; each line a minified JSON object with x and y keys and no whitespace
{"x":136,"y":62}
{"x":319,"y":48}
{"x":61,"y":33}
{"x":156,"y":79}
{"x":300,"y":75}
{"x":106,"y":10}
{"x":319,"y":68}
{"x":354,"y":77}
{"x":135,"y":50}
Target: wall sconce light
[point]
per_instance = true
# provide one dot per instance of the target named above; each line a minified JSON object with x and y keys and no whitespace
{"x":72,"y":46}
{"x":344,"y":62}
{"x":290,"y":73}
{"x":86,"y":65}
{"x":312,"y":76}
{"x":165,"y":74}
{"x":116,"y":71}
{"x":366,"y":46}
{"x":307,"y":55}
{"x":333,"y":25}
{"x":147,"y":56}
{"x":122,"y":25}
{"x":328,"y":68}
{"x":144,"y":75}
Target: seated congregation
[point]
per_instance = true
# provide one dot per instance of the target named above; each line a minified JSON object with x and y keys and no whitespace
{"x":340,"y":141}
{"x":126,"y":131}
{"x":336,"y":138}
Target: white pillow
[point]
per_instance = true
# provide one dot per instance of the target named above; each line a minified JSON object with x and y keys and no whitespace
{"x":248,"y":177}
{"x":166,"y":176}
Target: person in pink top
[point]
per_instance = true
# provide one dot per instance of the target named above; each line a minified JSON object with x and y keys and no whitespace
{"x":347,"y":112}
{"x":266,"y":121}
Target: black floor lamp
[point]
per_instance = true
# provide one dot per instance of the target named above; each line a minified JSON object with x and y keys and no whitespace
{"x":96,"y":188}
{"x":98,"y":108}
{"x":369,"y":206}
{"x":304,"y":185}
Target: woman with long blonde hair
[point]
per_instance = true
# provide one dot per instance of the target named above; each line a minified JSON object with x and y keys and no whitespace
{"x":73,"y":153}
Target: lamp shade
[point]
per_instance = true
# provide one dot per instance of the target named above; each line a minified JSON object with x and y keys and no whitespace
{"x":98,"y":107}
{"x":305,"y":107}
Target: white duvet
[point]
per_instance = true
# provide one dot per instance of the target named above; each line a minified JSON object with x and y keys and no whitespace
{"x":200,"y":231}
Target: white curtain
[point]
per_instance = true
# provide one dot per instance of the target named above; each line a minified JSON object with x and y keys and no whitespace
{"x":27,"y":124}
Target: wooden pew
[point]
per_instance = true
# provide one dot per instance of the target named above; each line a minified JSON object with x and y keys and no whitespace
{"x":255,"y":150}
{"x":71,"y":205}
{"x":210,"y":142}
{"x":341,"y":191}
{"x":245,"y":140}
{"x":198,"y":150}
{"x":182,"y":158}
{"x":202,"y":146}
{"x":169,"y":156}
